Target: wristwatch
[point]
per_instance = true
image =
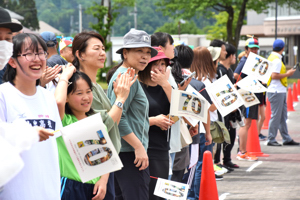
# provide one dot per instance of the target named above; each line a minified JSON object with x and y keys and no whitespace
{"x":119,"y":104}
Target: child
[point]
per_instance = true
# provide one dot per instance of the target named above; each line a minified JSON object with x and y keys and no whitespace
{"x":22,"y":98}
{"x":74,"y":99}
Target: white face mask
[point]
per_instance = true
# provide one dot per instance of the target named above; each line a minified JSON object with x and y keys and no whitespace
{"x":6,"y":51}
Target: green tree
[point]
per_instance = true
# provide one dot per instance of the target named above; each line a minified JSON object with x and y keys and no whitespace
{"x":25,"y":8}
{"x":219,"y":30}
{"x":187,"y":9}
{"x":189,"y":27}
{"x":106,"y":15}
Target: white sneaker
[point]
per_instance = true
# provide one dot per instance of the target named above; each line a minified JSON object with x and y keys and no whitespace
{"x":233,"y":124}
{"x":242,"y":123}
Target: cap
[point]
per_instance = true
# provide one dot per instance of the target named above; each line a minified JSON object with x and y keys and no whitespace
{"x":6,"y":22}
{"x":136,"y":39}
{"x":278,"y":45}
{"x":65,"y":43}
{"x":252,"y":42}
{"x":215,"y":52}
{"x":49,"y":38}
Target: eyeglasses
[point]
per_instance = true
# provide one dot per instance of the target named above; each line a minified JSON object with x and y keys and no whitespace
{"x":31,"y":56}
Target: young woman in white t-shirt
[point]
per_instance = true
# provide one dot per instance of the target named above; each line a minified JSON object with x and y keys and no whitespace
{"x":22,"y":98}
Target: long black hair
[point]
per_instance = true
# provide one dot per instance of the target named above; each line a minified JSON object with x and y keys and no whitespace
{"x":73,"y":86}
{"x":183,"y":60}
{"x":18,"y":44}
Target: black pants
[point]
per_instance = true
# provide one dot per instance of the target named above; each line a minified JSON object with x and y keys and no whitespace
{"x":158,"y":168}
{"x":74,"y":190}
{"x":130,"y":183}
{"x":226,"y":147}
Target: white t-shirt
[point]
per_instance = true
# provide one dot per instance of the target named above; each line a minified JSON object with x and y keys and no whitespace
{"x":40,"y":177}
{"x":276,"y":85}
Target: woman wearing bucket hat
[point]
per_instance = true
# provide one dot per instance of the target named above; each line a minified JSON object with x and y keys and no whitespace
{"x":89,"y":56}
{"x":132,"y":182}
{"x":154,"y":80}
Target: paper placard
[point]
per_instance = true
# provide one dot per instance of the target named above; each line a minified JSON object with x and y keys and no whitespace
{"x":250,"y":83}
{"x":171,"y":189}
{"x":189,"y":104}
{"x":224,"y":95}
{"x":90,"y":148}
{"x":258,"y":67}
{"x":248,"y":97}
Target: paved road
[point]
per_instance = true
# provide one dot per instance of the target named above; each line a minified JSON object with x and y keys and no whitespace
{"x":277,"y":177}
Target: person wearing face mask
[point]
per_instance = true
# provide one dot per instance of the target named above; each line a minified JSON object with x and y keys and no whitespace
{"x":7,"y":27}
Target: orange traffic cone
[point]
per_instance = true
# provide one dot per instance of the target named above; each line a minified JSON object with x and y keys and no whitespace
{"x":267,"y":114}
{"x":208,"y":186}
{"x":253,"y":145}
{"x":295,"y":93}
{"x":290,"y":106}
{"x":298,"y":86}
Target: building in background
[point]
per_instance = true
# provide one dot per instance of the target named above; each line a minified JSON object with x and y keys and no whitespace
{"x":288,"y":29}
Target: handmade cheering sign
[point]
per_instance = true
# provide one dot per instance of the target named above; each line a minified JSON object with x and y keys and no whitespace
{"x":189,"y":104}
{"x":171,"y":189}
{"x":250,"y":83}
{"x":258,"y":67}
{"x":90,"y":148}
{"x":249,"y":98}
{"x":224,"y":95}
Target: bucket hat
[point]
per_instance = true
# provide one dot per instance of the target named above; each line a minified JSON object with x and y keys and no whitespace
{"x":6,"y":22}
{"x":136,"y":39}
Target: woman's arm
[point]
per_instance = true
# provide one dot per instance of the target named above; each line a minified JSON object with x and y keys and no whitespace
{"x":141,"y":157}
{"x":121,"y":88}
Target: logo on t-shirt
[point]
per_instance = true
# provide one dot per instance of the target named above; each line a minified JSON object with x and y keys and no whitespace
{"x":45,"y":123}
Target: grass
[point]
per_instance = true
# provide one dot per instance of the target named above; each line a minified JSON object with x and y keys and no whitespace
{"x":292,"y":80}
{"x":103,"y":85}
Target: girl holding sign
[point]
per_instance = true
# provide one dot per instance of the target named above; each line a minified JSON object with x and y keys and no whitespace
{"x":154,"y":81}
{"x":23,"y":99}
{"x":74,"y":99}
{"x":89,"y":56}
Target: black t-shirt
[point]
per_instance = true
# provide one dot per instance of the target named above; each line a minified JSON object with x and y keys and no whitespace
{"x":221,"y":71}
{"x":158,"y":104}
{"x":198,"y":85}
{"x":56,"y":59}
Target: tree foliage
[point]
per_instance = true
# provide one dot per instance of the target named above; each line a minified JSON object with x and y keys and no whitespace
{"x":106,"y":16}
{"x":234,"y":9}
{"x":25,"y":8}
{"x":189,"y":27}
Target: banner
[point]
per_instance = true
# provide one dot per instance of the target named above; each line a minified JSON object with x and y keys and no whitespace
{"x":250,"y":83}
{"x":171,"y":189}
{"x":249,"y":98}
{"x":224,"y":95}
{"x":258,"y":67}
{"x":188,"y":104}
{"x":90,"y":148}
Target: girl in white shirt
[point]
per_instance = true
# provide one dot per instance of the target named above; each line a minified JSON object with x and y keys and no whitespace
{"x":21,"y":98}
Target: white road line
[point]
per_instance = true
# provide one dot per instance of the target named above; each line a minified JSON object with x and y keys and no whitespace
{"x":223,"y":196}
{"x":253,"y":166}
